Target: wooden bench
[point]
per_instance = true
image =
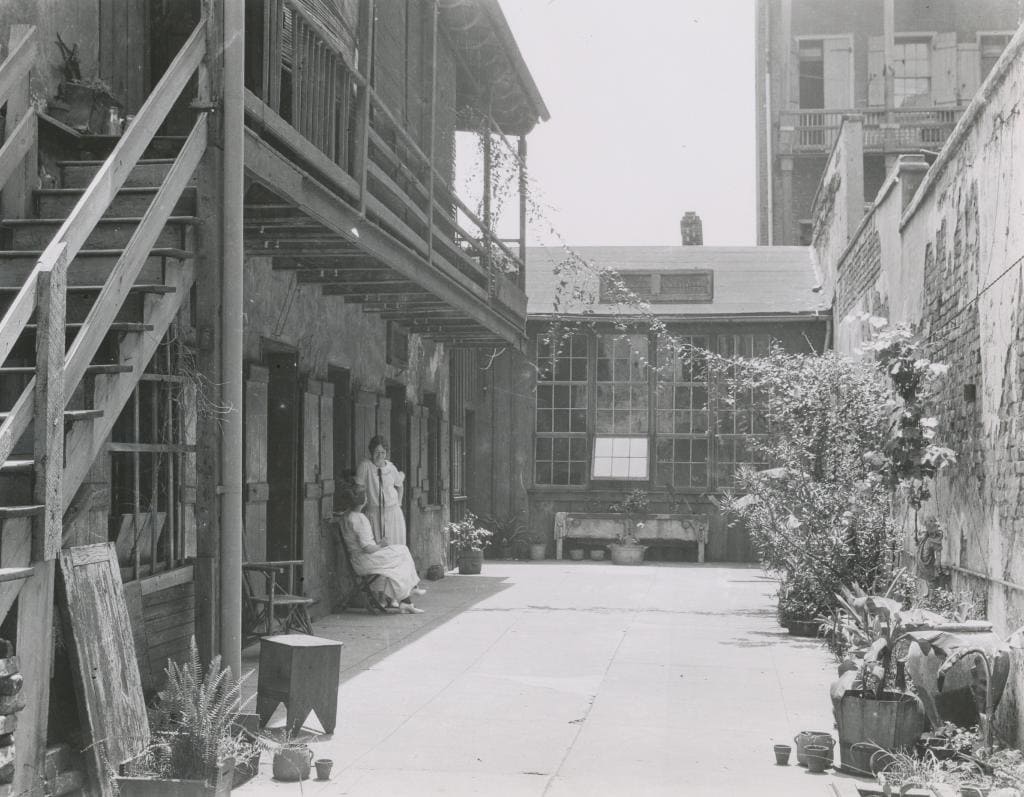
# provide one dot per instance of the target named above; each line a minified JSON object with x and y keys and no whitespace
{"x":607,"y":526}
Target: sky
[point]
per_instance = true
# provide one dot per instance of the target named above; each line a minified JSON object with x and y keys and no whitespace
{"x":652,"y":114}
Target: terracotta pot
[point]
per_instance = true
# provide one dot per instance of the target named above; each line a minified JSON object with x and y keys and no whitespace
{"x":323,"y":768}
{"x":576,"y":554}
{"x":819,"y":757}
{"x":782,"y":752}
{"x":597,"y":554}
{"x":805,"y":738}
{"x":538,"y":551}
{"x":293,"y":763}
{"x":628,"y":554}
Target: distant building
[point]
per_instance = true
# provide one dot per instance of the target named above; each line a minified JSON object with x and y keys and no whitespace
{"x":586,"y":422}
{"x":691,"y":229}
{"x":909,"y":67}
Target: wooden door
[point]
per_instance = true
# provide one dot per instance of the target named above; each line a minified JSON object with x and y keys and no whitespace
{"x":876,"y":71}
{"x":838,"y":67}
{"x":256,"y":487}
{"x":364,"y":423}
{"x":317,"y":487}
{"x":944,"y":69}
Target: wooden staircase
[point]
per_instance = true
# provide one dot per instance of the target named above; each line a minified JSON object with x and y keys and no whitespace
{"x":92,"y":276}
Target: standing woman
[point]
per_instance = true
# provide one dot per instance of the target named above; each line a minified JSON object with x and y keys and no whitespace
{"x":383,"y":483}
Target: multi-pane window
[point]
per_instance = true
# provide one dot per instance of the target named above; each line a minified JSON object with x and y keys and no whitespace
{"x":912,"y":69}
{"x":621,"y":407}
{"x":682,"y":413}
{"x":561,"y":447}
{"x":741,"y":415}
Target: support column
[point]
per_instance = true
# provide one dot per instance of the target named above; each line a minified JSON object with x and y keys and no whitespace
{"x":522,"y":210}
{"x":786,"y":237}
{"x":232,"y":310}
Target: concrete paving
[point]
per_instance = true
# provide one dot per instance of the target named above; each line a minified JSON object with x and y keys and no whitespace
{"x":571,"y":679}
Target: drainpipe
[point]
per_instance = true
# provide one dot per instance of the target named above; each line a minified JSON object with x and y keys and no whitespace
{"x":231,"y":339}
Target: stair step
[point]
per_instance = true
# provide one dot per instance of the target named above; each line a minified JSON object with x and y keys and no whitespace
{"x":90,"y":267}
{"x":69,"y":415}
{"x":148,"y":172}
{"x":15,"y":573}
{"x":17,"y":466}
{"x":59,"y":202}
{"x":11,"y":290}
{"x":117,"y":326}
{"x":92,"y":370}
{"x":31,"y":510}
{"x":109,"y":233}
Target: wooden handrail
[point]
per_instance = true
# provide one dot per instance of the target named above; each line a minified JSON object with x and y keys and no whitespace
{"x":17,"y":64}
{"x":18,"y":144}
{"x":124,"y":273}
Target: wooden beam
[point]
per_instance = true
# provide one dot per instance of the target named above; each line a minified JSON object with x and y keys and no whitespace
{"x":48,"y":408}
{"x":16,"y":200}
{"x":364,"y":42}
{"x":355,"y":296}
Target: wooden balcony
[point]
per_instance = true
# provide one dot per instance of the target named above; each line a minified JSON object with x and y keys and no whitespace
{"x":885,"y":131}
{"x":349,"y":197}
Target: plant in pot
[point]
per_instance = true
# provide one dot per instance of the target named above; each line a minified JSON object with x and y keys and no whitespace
{"x":195,"y":735}
{"x":469,"y":539}
{"x":627,"y":549}
{"x":539,"y":547}
{"x":509,"y":532}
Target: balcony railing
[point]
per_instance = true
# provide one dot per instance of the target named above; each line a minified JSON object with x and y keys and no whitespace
{"x":309,"y":83}
{"x":892,"y":130}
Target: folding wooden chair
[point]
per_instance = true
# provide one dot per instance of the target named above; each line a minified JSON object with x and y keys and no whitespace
{"x":262,"y":601}
{"x":361,"y":585}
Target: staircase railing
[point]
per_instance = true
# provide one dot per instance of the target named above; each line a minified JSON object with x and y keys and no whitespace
{"x":71,"y":237}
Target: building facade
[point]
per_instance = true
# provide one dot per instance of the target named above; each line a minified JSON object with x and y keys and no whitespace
{"x":258,"y":260}
{"x":600,"y":404}
{"x":909,"y":67}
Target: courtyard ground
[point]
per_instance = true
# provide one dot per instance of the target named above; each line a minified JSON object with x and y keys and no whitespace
{"x":572,"y":678}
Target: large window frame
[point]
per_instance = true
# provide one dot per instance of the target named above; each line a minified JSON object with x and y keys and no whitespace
{"x":694,"y":436}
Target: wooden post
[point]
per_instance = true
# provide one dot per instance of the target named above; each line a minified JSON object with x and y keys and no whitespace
{"x":16,"y":200}
{"x":430,"y":132}
{"x":364,"y":42}
{"x":522,"y":210}
{"x":48,"y":446}
{"x":35,"y":652}
{"x":889,"y":45}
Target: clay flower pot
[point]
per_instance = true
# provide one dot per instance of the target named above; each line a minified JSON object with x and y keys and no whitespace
{"x":323,"y":768}
{"x":819,"y":757}
{"x":576,"y":554}
{"x":597,"y":554}
{"x":782,"y":752}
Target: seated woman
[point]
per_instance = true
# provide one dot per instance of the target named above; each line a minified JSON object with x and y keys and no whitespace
{"x":393,"y":562}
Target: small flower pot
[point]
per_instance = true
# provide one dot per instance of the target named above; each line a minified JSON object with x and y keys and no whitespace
{"x":576,"y":554}
{"x":782,"y":752}
{"x":819,"y":758}
{"x":597,"y":554}
{"x":538,"y":551}
{"x":806,"y":738}
{"x":629,"y":554}
{"x":292,"y":763}
{"x":323,"y":768}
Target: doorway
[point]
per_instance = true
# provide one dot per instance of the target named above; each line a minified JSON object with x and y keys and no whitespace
{"x":284,"y":541}
{"x":344,"y":463}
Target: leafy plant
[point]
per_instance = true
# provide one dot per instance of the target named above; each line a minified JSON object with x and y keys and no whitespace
{"x":192,"y":723}
{"x":466,"y":534}
{"x":507,"y":529}
{"x":635,"y":507}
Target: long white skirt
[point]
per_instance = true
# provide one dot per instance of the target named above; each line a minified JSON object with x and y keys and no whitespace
{"x":394,"y":524}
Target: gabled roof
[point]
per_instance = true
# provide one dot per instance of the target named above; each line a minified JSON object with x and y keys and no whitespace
{"x":749,"y":281}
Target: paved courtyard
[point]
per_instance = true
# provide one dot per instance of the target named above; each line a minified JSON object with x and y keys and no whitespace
{"x":572,"y":678}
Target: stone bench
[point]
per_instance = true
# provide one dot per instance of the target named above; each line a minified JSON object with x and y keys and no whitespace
{"x":607,"y":526}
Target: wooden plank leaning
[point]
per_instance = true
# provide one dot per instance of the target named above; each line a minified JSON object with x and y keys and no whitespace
{"x":48,"y":391}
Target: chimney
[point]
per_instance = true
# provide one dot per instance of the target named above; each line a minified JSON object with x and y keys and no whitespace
{"x":691,"y":229}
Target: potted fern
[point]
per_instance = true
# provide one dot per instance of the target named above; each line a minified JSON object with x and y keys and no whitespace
{"x":195,"y":735}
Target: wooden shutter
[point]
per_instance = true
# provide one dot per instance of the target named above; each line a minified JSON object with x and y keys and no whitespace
{"x":794,"y":74}
{"x":968,"y":71}
{"x":838,"y":58}
{"x":876,"y":71}
{"x":313,"y":553}
{"x":326,"y":450}
{"x":257,"y":491}
{"x":944,"y":69}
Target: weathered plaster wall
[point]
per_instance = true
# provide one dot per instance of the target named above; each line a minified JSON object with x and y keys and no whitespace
{"x":838,"y":205}
{"x":954,"y":271}
{"x":327,"y":332}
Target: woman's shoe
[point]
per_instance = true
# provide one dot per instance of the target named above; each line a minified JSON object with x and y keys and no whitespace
{"x":408,"y":608}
